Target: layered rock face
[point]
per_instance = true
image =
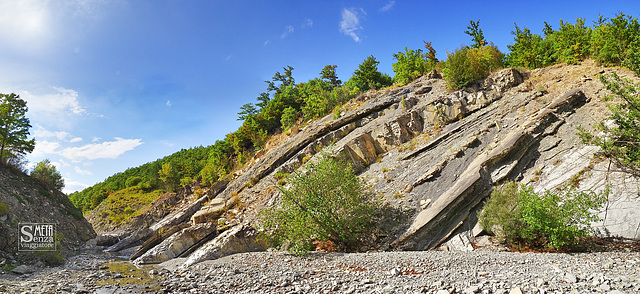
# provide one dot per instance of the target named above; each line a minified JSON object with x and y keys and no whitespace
{"x":434,"y":156}
{"x":25,"y":200}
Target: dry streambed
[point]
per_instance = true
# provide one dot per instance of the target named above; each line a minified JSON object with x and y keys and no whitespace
{"x":486,"y":270}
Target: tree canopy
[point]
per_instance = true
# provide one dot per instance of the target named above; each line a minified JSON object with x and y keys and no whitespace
{"x":47,"y":173}
{"x":14,"y":128}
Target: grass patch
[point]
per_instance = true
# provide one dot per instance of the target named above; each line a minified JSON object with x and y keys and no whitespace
{"x":4,"y":207}
{"x":127,"y":203}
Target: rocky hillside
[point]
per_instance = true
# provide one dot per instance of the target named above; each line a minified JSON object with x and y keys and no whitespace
{"x":432,"y":154}
{"x":26,"y":200}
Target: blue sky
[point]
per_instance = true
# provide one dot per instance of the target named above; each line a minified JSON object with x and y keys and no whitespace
{"x":113,"y":84}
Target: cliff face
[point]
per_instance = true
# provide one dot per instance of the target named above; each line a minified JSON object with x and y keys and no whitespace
{"x":434,"y":155}
{"x":26,"y":200}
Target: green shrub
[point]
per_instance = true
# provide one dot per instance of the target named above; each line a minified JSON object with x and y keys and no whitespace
{"x":529,"y":50}
{"x":4,"y":208}
{"x":466,"y":65}
{"x":289,"y":116}
{"x":411,"y":65}
{"x":368,"y":77}
{"x":571,"y":43}
{"x":616,"y":41}
{"x":47,"y":173}
{"x":133,"y":181}
{"x":621,"y":142}
{"x":551,"y":219}
{"x":327,"y":202}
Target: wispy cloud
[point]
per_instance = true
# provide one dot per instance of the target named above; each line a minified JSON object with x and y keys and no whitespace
{"x":72,"y":186}
{"x":102,"y":150}
{"x":388,"y":6}
{"x":62,"y":100}
{"x":44,"y":148}
{"x":168,"y":104}
{"x":75,"y":140}
{"x":81,"y":171}
{"x":307,"y":23}
{"x":288,"y":30}
{"x":350,"y":23}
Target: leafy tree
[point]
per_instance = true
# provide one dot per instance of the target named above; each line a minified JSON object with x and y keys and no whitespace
{"x":14,"y":128}
{"x":368,"y":77}
{"x":473,"y":30}
{"x":622,"y":140}
{"x":327,"y":202}
{"x":47,"y":173}
{"x":412,"y":64}
{"x":328,"y":74}
{"x":247,"y":111}
{"x":530,"y":50}
{"x":169,"y":176}
{"x":467,"y":65}
{"x":571,"y":42}
{"x":285,"y":80}
{"x":289,"y":116}
{"x":616,"y":41}
{"x":133,"y":181}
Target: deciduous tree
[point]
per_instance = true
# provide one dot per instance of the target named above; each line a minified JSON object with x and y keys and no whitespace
{"x":14,"y":128}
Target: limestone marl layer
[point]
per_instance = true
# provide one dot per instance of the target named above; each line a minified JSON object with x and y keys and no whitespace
{"x":434,"y":155}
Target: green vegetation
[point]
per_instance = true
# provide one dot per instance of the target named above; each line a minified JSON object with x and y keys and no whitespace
{"x":14,"y":129}
{"x":367,"y":76}
{"x":47,"y":173}
{"x":4,"y":208}
{"x":187,"y":163}
{"x":328,"y":202}
{"x":551,"y":219}
{"x":127,"y":203}
{"x":621,"y":141}
{"x":473,"y":30}
{"x":54,"y":257}
{"x":611,"y":42}
{"x":466,"y":65}
{"x":412,"y":64}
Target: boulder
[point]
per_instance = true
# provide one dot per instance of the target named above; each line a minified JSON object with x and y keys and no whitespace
{"x":22,"y":269}
{"x":177,"y":243}
{"x":210,"y":212}
{"x":241,"y":238}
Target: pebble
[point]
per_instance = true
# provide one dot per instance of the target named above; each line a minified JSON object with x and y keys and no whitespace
{"x":434,"y":272}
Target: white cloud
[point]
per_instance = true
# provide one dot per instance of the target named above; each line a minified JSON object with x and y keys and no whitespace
{"x":168,"y":104}
{"x":76,"y":140}
{"x":82,"y":171}
{"x":111,"y":149}
{"x":42,"y":133}
{"x":44,"y":148}
{"x":267,"y":42}
{"x":95,"y":139}
{"x":73,"y":186}
{"x":288,"y":30}
{"x":53,"y":108}
{"x":388,"y":7}
{"x":350,"y":23}
{"x":307,"y":23}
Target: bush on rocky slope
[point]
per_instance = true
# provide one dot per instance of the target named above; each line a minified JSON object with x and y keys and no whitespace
{"x":328,"y":202}
{"x":621,"y":137}
{"x":550,"y":219}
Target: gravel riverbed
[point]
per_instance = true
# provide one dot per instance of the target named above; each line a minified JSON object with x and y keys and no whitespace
{"x":480,"y":271}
